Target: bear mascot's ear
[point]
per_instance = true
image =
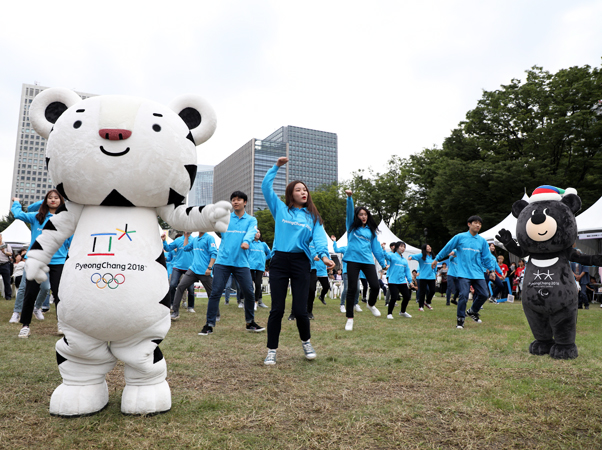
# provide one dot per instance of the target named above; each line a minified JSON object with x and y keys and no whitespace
{"x":518,"y":206}
{"x":572,"y":201}
{"x":48,"y":106}
{"x":198,"y":114}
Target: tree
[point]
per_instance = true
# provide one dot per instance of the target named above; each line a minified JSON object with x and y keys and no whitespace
{"x":330,"y":201}
{"x":6,"y":221}
{"x":265,"y":222}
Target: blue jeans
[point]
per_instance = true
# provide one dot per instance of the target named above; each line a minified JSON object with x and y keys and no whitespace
{"x":174,"y":280}
{"x":344,"y":293}
{"x":451,"y":288}
{"x":242,"y":275}
{"x":44,"y":289}
{"x":479,"y":297}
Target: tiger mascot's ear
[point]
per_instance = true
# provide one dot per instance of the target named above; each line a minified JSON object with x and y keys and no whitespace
{"x":47,"y":107}
{"x":198,"y":115}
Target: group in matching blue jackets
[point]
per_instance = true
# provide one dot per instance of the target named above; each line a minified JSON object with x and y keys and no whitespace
{"x":297,"y":224}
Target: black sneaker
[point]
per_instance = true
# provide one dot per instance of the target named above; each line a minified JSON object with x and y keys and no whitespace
{"x":460,"y":324}
{"x":473,"y":315}
{"x":454,"y":302}
{"x":311,"y":316}
{"x":291,"y":317}
{"x":364,"y":300}
{"x":206,"y":330}
{"x":254,"y":327}
{"x":322,"y":300}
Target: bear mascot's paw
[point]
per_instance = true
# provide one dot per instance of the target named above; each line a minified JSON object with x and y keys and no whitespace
{"x":566,"y":351}
{"x":146,"y":400}
{"x":75,"y":401}
{"x":540,"y":347}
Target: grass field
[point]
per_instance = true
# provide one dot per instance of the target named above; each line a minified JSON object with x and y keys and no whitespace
{"x":405,"y":383}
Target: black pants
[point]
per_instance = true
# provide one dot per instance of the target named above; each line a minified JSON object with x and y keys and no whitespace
{"x":353,"y":273}
{"x":396,"y":289}
{"x":364,"y":287}
{"x":5,"y":272}
{"x":257,"y":277}
{"x":187,"y":280}
{"x":32,"y":288}
{"x":313,"y":282}
{"x":284,"y":267}
{"x":423,"y":287}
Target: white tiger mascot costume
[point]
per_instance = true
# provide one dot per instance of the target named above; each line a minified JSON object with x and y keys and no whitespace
{"x":119,"y":162}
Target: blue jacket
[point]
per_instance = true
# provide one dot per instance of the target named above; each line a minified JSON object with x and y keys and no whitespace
{"x":203,"y":248}
{"x":36,"y":229}
{"x":168,"y":264}
{"x":240,"y":230}
{"x":361,"y":245}
{"x":399,"y":270}
{"x":181,"y":260}
{"x":260,"y":252}
{"x":294,"y":228}
{"x":321,"y":270}
{"x":472,"y":255}
{"x":425,"y":271}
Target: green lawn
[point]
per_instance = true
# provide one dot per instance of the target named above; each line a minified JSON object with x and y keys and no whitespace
{"x":402,"y":383}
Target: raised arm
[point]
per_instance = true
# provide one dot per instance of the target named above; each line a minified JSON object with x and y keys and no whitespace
{"x":350,"y":210}
{"x":505,"y":237}
{"x":267,"y":185}
{"x":585,"y":260}
{"x":202,"y":218}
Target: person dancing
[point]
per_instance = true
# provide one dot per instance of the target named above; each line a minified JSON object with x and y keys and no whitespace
{"x":297,"y":222}
{"x":400,"y":277}
{"x":362,"y":244}
{"x":53,"y":203}
{"x":426,"y":277}
{"x":259,"y":252}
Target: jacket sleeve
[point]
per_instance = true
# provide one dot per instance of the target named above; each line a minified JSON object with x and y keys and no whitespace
{"x":449,"y":247}
{"x":17,"y":211}
{"x":268,"y":190}
{"x":378,"y":251}
{"x":319,"y":237}
{"x":350,"y":214}
{"x":251,"y":231}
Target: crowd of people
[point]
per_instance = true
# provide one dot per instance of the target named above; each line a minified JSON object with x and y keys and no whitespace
{"x":299,"y":260}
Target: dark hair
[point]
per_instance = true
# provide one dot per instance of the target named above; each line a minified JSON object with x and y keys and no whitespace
{"x":257,"y":230}
{"x":397,"y":245}
{"x":424,"y":252}
{"x":43,"y":211}
{"x":472,"y":219}
{"x":238,"y":194}
{"x":357,"y":223}
{"x":309,"y":204}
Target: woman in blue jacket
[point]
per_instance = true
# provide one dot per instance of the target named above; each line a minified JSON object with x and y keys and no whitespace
{"x":426,"y":277}
{"x":259,"y":253}
{"x":400,"y":278}
{"x":297,"y":222}
{"x":362,"y":244}
{"x":53,"y":202}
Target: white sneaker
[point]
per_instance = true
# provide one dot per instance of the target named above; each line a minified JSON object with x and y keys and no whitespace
{"x":38,"y":314}
{"x":309,"y":351}
{"x":24,"y":333}
{"x":357,"y":308}
{"x":389,"y":316}
{"x":349,"y":325}
{"x":270,"y":360}
{"x":15,"y":318}
{"x":405,"y":314}
{"x":343,"y":310}
{"x":191,"y":310}
{"x":255,"y":308}
{"x":240,"y":305}
{"x":374,"y":311}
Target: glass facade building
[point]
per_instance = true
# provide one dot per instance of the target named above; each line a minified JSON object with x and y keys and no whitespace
{"x":313,"y":155}
{"x":30,"y":176}
{"x":202,"y":190}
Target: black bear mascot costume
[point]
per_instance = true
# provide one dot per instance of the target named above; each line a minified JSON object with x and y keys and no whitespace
{"x":546,"y":231}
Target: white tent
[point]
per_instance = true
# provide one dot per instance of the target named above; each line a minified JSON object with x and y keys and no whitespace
{"x":17,"y":233}
{"x":509,"y":223}
{"x":590,"y":222}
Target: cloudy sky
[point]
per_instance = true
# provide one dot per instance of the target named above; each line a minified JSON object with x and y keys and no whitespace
{"x":389,"y":77}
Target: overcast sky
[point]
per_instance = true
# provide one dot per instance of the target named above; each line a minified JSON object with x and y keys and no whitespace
{"x":389,"y":77}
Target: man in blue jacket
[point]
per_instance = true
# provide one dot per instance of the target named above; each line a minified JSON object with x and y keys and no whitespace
{"x":472,"y":254}
{"x":232,"y":258}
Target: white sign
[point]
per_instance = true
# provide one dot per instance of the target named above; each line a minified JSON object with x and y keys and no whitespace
{"x":590,"y":236}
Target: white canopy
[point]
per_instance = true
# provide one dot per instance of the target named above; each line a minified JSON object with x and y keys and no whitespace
{"x":17,"y":233}
{"x":385,"y":235}
{"x":590,"y":220}
{"x":509,"y":223}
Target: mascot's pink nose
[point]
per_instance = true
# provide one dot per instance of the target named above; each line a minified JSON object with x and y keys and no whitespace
{"x":114,"y":134}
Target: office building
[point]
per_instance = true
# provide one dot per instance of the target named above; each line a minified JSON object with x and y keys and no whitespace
{"x":202,"y":189}
{"x":30,"y":176}
{"x":313,"y":155}
{"x":313,"y":158}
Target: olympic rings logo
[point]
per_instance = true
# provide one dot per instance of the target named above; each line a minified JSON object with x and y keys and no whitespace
{"x":108,"y":279}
